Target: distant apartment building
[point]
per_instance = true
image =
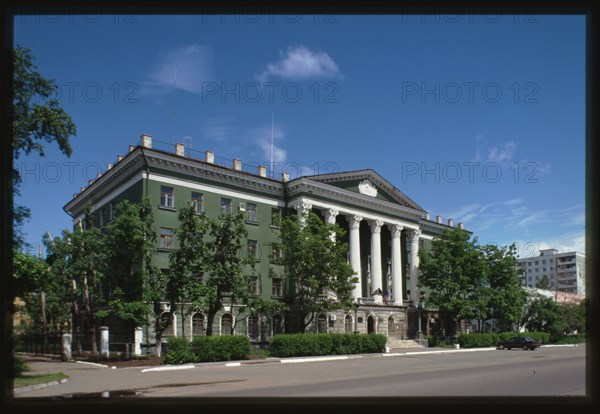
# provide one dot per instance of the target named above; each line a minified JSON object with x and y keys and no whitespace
{"x":565,"y":272}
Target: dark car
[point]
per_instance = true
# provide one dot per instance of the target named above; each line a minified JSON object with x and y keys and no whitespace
{"x":524,"y":342}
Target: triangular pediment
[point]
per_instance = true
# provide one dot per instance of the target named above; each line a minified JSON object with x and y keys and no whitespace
{"x":368,"y":183}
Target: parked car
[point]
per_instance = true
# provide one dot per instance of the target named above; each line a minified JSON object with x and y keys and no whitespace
{"x":525,"y":342}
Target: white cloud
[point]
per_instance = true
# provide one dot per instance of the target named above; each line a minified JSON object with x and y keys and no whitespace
{"x":513,"y":202}
{"x":502,"y":155}
{"x":567,"y":242}
{"x":185,"y":69}
{"x":298,"y":63}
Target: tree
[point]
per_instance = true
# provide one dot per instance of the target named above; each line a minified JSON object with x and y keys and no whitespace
{"x":316,"y":266}
{"x":226,"y":263}
{"x":506,"y":296}
{"x":454,"y":272}
{"x":186,"y":260}
{"x":543,"y":283}
{"x":134,"y":286}
{"x":545,"y":315}
{"x":36,"y":116}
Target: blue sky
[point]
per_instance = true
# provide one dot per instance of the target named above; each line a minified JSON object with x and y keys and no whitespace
{"x":476,"y":118}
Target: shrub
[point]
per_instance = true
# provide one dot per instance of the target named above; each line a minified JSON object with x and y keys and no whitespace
{"x":477,"y":340}
{"x":287,"y":345}
{"x":179,"y":351}
{"x":19,"y":366}
{"x":220,"y":348}
{"x":572,"y":339}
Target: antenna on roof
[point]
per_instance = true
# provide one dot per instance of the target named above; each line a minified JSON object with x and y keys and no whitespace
{"x":174,"y":112}
{"x":272,"y":125}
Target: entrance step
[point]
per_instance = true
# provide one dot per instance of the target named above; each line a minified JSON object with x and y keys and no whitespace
{"x":403,"y":343}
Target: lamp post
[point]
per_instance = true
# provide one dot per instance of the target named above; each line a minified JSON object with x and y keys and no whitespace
{"x":419,"y":332}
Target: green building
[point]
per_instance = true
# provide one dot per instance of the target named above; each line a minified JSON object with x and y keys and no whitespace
{"x":385,"y":229}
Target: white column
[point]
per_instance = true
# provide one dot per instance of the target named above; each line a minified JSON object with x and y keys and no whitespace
{"x":66,"y":346}
{"x":354,"y":222}
{"x":104,"y":346}
{"x":396,"y":231}
{"x":330,"y":215}
{"x":376,"y":258}
{"x":302,"y":208}
{"x":415,"y":294}
{"x":137,"y":347}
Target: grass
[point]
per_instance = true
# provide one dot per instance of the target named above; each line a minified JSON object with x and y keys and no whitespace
{"x":25,"y":380}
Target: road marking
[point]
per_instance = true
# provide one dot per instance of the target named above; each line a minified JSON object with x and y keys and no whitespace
{"x":233,"y":364}
{"x":295,"y":360}
{"x":169,"y":368}
{"x":92,"y":363}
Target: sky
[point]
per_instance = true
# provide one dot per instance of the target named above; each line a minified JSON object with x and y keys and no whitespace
{"x":478,"y":118}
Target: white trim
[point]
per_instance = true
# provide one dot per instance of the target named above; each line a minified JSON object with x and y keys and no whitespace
{"x":110,"y":196}
{"x":350,"y":211}
{"x":426,"y":236}
{"x":214,"y":189}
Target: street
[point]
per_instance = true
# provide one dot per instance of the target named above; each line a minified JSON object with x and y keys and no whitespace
{"x":548,"y":371}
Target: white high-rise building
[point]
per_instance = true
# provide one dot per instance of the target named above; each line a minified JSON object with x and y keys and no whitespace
{"x":564,"y":271}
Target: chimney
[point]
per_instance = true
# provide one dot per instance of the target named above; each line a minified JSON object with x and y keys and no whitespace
{"x":262,"y":170}
{"x":146,"y":141}
{"x":119,"y":157}
{"x":426,"y":216}
{"x":461,"y":225}
{"x":75,"y":195}
{"x":285,"y":177}
{"x":131,"y":148}
{"x":82,"y":189}
{"x":180,"y":150}
{"x":450,"y":222}
{"x":99,"y":175}
{"x":438,"y":219}
{"x":108,"y":166}
{"x":90,"y":182}
{"x":237,"y":164}
{"x":209,"y":157}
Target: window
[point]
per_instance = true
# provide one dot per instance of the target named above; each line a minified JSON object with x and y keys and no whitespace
{"x":112,"y":210}
{"x":528,"y":263}
{"x":253,"y":249}
{"x":198,"y":202}
{"x":277,"y":287}
{"x":166,"y":197}
{"x":225,"y":206}
{"x":198,"y":277}
{"x":529,"y":270}
{"x":166,"y":320}
{"x":277,"y":325}
{"x":253,"y":330}
{"x":348,"y":324}
{"x":544,"y":269}
{"x":226,"y":324}
{"x":537,"y":262}
{"x":322,"y":323}
{"x":276,"y":254}
{"x":551,"y":268}
{"x":551,"y":260}
{"x":544,"y":261}
{"x":101,"y":217}
{"x":275,"y":216}
{"x":251,"y":214}
{"x":198,"y":324}
{"x":254,"y":285}
{"x":166,"y":238}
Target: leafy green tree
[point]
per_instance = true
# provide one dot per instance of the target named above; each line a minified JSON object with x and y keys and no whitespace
{"x":37,"y":116}
{"x":186,"y":260}
{"x":543,"y":283}
{"x":545,"y":315}
{"x":575,"y":316}
{"x":454,"y":272}
{"x":316,"y":266}
{"x":227,"y":281}
{"x":134,"y":286}
{"x":506,"y":296}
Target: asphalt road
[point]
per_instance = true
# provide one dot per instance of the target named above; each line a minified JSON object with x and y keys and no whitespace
{"x":548,"y":371}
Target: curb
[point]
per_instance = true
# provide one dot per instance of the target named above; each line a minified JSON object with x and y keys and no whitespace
{"x":29,"y":388}
{"x":169,"y":368}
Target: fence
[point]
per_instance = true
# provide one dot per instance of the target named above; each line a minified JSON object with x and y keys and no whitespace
{"x":39,"y":344}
